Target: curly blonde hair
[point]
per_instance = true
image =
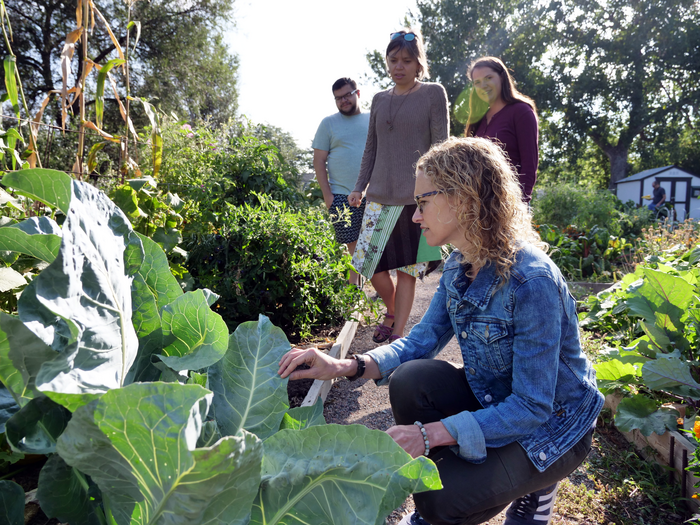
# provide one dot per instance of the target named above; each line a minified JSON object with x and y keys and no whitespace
{"x":486,"y":198}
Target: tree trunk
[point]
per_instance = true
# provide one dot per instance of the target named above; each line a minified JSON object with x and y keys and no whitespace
{"x":619,"y":167}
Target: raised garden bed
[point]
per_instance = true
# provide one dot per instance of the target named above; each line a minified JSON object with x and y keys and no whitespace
{"x":305,"y":392}
{"x":339,"y":350}
{"x":670,"y":449}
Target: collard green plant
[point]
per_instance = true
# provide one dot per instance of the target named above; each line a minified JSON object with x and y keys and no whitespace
{"x":654,"y":319}
{"x":335,"y":475}
{"x":11,"y":503}
{"x":585,"y":255}
{"x":152,"y":452}
{"x":248,"y":396}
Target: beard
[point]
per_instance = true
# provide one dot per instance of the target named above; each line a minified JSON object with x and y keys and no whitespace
{"x":350,"y":112}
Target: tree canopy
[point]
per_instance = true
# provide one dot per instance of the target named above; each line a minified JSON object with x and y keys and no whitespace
{"x":620,"y":75}
{"x":176,"y":48}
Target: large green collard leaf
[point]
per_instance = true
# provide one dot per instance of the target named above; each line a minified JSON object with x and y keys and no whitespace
{"x":337,"y":474}
{"x":149,"y":330}
{"x":155,"y":271}
{"x":248,"y":392}
{"x":65,"y":493}
{"x":21,"y":355}
{"x":11,"y":503}
{"x":128,"y":201}
{"x":614,"y":374}
{"x":39,"y":237}
{"x":48,"y":186}
{"x":138,"y":444}
{"x":153,"y":288}
{"x":640,"y":412}
{"x":671,"y":374}
{"x":80,"y":305}
{"x":196,"y":337}
{"x":662,"y":299}
{"x":35,"y":428}
{"x":299,"y":418}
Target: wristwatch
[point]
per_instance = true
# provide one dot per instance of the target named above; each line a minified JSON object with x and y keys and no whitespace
{"x":360,"y":367}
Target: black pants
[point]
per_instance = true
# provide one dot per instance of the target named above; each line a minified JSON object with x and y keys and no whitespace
{"x":430,"y":390}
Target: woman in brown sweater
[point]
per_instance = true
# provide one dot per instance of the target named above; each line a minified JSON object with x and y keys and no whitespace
{"x":405,"y":121}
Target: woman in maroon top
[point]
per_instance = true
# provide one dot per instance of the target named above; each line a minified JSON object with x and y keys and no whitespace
{"x":498,"y":111}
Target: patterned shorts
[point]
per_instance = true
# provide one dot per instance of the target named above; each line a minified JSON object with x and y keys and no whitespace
{"x":389,"y":240}
{"x":346,"y":219}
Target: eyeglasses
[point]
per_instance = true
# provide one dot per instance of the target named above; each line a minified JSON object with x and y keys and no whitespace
{"x":406,"y":36}
{"x":346,"y":96}
{"x":417,"y":198}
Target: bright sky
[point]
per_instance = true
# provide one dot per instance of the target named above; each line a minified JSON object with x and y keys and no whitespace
{"x":291,"y":53}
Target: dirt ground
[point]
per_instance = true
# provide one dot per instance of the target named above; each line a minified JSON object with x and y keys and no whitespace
{"x":363,"y":402}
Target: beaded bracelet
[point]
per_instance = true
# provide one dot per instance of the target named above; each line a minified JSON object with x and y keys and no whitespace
{"x":425,"y":437}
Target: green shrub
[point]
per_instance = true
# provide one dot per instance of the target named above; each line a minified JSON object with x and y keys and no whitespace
{"x":212,"y":168}
{"x":564,"y":205}
{"x":633,"y":219}
{"x":275,"y":261}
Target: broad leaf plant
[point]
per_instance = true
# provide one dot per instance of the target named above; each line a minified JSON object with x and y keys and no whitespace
{"x":653,"y":318}
{"x":149,"y":411}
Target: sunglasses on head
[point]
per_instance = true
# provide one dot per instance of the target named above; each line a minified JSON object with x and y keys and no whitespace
{"x":406,"y":36}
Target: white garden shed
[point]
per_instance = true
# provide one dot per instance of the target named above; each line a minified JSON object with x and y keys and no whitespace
{"x":682,"y":189}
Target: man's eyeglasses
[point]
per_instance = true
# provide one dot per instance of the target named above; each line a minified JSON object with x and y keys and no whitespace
{"x":346,"y":96}
{"x":406,"y":36}
{"x":417,"y":198}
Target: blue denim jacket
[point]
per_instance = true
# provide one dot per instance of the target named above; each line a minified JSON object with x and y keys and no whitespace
{"x":522,"y":358}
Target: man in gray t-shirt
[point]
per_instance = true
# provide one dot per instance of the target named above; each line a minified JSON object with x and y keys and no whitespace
{"x":338,"y":147}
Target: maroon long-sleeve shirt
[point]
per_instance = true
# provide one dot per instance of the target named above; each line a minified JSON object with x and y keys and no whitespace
{"x":517,"y":130}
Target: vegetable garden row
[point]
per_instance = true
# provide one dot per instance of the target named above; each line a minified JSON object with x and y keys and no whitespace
{"x":104,"y":320}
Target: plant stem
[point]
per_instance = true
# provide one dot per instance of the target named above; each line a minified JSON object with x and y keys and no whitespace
{"x":125,"y":150}
{"x":14,"y":472}
{"x":32,"y":142}
{"x":81,"y":143}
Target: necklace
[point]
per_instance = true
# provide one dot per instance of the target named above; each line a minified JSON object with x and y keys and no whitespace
{"x":390,"y":122}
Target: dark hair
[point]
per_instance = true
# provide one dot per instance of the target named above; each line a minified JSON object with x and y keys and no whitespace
{"x":343,"y":81}
{"x":415,"y":49}
{"x":509,"y":93}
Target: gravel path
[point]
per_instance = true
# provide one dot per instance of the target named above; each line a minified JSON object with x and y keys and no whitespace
{"x":364,"y":403}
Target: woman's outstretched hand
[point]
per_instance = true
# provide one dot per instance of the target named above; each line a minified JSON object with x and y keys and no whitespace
{"x":322,"y":366}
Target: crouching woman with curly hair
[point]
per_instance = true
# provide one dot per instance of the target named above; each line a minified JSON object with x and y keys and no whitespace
{"x":518,"y":414}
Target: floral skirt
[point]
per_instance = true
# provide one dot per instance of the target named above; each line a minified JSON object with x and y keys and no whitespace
{"x":389,"y":239}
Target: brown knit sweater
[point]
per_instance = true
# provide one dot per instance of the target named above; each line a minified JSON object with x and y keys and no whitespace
{"x":388,"y":163}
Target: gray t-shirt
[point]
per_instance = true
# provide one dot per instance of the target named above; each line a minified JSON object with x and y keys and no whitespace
{"x":344,"y":138}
